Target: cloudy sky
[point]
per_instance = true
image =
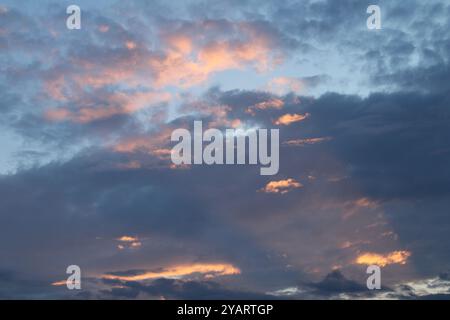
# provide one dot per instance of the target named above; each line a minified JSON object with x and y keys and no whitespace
{"x":85,"y":171}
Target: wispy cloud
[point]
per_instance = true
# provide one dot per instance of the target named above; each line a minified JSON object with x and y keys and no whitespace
{"x":207,"y":270}
{"x":289,"y":118}
{"x":307,"y":141}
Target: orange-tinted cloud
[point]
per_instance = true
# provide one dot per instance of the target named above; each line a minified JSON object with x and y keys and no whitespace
{"x":179,"y":43}
{"x":131,"y":45}
{"x":59,"y":283}
{"x":195,"y":51}
{"x":103,"y":28}
{"x":289,"y":118}
{"x":128,"y":242}
{"x":206,"y":269}
{"x":365,"y":203}
{"x":186,"y":65}
{"x":354,"y":207}
{"x":395,"y":257}
{"x":134,"y":143}
{"x":281,"y":186}
{"x":127,"y":239}
{"x":284,"y":85}
{"x":63,"y":283}
{"x":182,"y":60}
{"x":154,"y":144}
{"x":116,"y":103}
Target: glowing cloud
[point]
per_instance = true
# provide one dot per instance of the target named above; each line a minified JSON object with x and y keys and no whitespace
{"x":59,"y":283}
{"x":128,"y":242}
{"x":395,"y":257}
{"x":131,"y":45}
{"x":62,"y":283}
{"x":281,"y":186}
{"x":208,"y":270}
{"x":289,"y":118}
{"x":183,"y":68}
{"x":127,"y":239}
{"x":365,"y":203}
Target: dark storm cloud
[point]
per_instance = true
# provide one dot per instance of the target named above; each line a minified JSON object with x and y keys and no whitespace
{"x":393,"y":147}
{"x":335,"y":282}
{"x":434,"y":78}
{"x":90,"y":203}
{"x":145,"y":201}
{"x":14,"y":285}
{"x":182,"y":289}
{"x":386,"y":142}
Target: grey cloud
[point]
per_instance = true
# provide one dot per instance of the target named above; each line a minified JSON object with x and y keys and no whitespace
{"x":335,"y":282}
{"x":182,"y":289}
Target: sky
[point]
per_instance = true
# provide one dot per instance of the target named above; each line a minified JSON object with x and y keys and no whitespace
{"x":86,"y":176}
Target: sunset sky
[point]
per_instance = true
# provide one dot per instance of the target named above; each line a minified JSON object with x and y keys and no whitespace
{"x":86,"y":176}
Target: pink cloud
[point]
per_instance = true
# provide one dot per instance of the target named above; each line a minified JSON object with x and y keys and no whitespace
{"x":116,"y":103}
